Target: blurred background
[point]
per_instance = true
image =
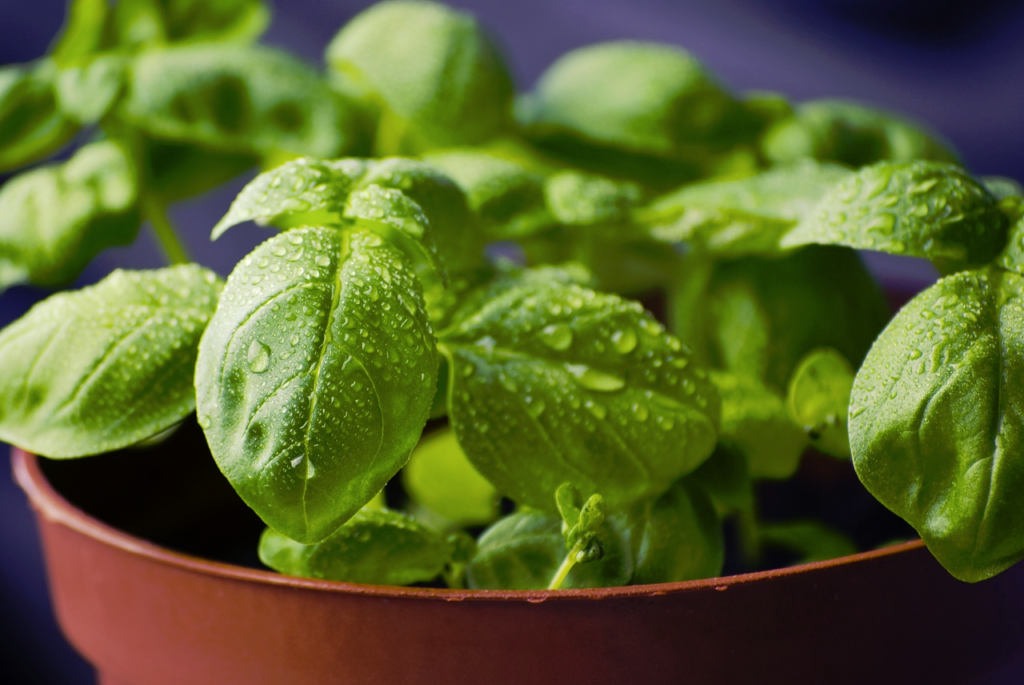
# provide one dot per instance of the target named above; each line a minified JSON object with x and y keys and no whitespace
{"x":957,"y":68}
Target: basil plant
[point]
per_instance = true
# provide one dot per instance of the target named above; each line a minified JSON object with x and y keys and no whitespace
{"x":453,"y":302}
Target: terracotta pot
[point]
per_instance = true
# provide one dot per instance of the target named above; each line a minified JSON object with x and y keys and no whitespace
{"x":145,"y":615}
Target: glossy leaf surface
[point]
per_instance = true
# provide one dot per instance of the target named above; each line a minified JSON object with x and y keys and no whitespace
{"x":107,"y":366}
{"x":919,"y":209}
{"x":936,"y":422}
{"x":376,"y":546}
{"x":316,"y":376}
{"x":552,"y":383}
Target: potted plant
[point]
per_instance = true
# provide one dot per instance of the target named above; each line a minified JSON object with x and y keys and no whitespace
{"x":476,"y":277}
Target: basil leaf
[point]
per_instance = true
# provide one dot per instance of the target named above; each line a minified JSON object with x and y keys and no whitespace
{"x":440,"y":478}
{"x":579,"y":199}
{"x":524,"y":550}
{"x":441,"y":200}
{"x":296,"y":191}
{"x":107,"y":366}
{"x":819,"y":399}
{"x":320,"y":341}
{"x":676,"y":537}
{"x":919,"y":209}
{"x":641,"y":97}
{"x":508,"y":199}
{"x":82,"y":33}
{"x":142,"y":22}
{"x":767,"y":314}
{"x":58,"y":217}
{"x":551,"y":383}
{"x":86,"y":93}
{"x":235,"y":98}
{"x":1002,"y":187}
{"x":936,"y":426}
{"x":851,"y":134}
{"x":745,"y":216}
{"x":755,"y":421}
{"x":31,"y":125}
{"x":375,"y":546}
{"x":434,"y":71}
{"x":1012,"y":257}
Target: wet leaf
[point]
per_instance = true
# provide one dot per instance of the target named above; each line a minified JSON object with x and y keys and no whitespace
{"x":107,"y":366}
{"x":552,"y":383}
{"x":376,"y":546}
{"x":936,"y":422}
{"x":316,"y":376}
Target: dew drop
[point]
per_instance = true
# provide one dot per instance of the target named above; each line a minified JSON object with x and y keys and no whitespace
{"x":258,"y":357}
{"x":624,"y":340}
{"x":557,"y":336}
{"x":595,"y":380}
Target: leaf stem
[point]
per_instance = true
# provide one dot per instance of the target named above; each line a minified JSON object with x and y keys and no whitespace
{"x":155,"y":212}
{"x":563,"y":570}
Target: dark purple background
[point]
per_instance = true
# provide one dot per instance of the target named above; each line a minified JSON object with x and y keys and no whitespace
{"x":958,"y":66}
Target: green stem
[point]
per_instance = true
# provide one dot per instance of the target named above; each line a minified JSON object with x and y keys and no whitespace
{"x":154,"y":211}
{"x":687,"y":305}
{"x":567,"y":565}
{"x":749,"y":531}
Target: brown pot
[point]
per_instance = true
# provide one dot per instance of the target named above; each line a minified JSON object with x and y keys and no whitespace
{"x":144,"y":615}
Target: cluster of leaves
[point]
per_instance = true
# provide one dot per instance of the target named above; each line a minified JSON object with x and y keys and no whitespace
{"x":620,"y":444}
{"x":139,"y":104}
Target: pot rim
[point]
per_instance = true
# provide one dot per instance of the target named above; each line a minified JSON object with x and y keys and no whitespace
{"x":51,"y":505}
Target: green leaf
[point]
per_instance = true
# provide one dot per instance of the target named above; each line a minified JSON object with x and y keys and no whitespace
{"x":524,"y":550}
{"x":32,"y":127}
{"x":376,"y":546}
{"x":641,"y":97}
{"x":297,"y":191}
{"x":1002,"y":187}
{"x":437,"y":75}
{"x":508,"y":199}
{"x":920,"y":209}
{"x":819,"y":399}
{"x":400,"y":198}
{"x":676,"y":537}
{"x":755,"y":421}
{"x":767,"y":314}
{"x":315,"y":377}
{"x":58,"y":217}
{"x":107,"y":366}
{"x":936,"y":423}
{"x":235,"y":98}
{"x":579,"y":199}
{"x":745,"y":216}
{"x":441,"y":478}
{"x":551,"y":383}
{"x":82,"y":33}
{"x":86,"y":93}
{"x":142,"y":22}
{"x":851,"y":134}
{"x":811,"y":540}
{"x":1012,"y":257}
